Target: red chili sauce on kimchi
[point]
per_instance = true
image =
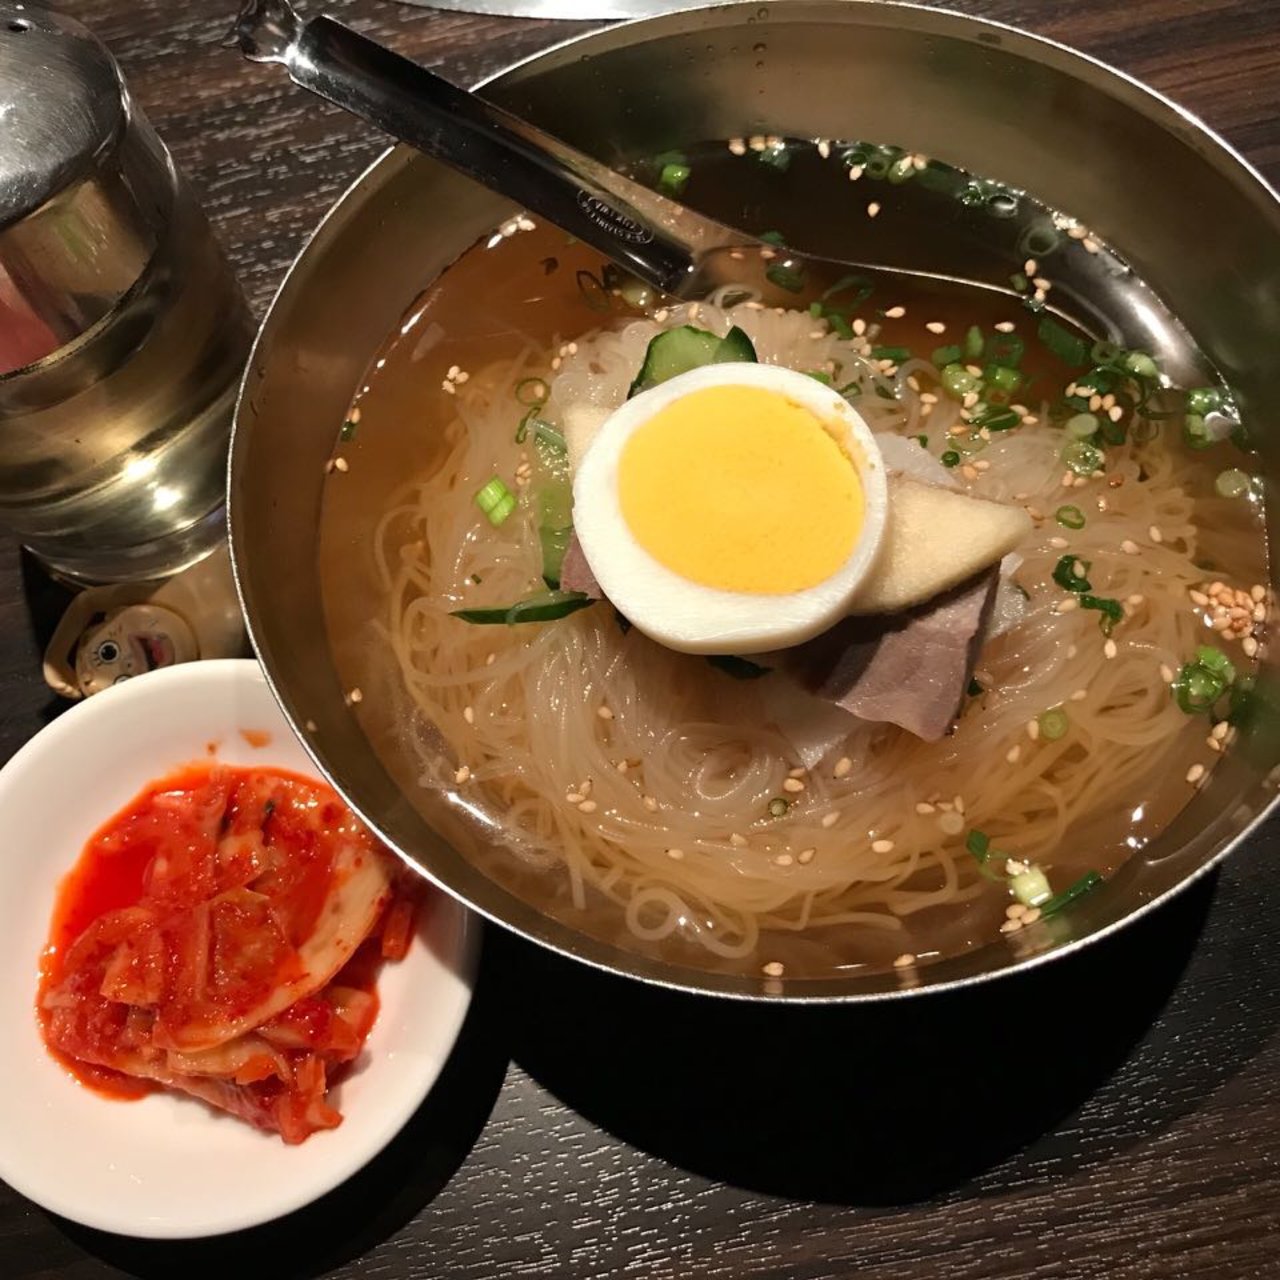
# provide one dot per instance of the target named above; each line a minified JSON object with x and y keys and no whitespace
{"x":221,"y":936}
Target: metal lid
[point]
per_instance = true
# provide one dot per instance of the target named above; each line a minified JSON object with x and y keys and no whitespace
{"x":61,"y":101}
{"x":83,"y":185}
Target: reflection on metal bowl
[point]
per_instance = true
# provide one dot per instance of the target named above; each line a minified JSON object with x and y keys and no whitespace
{"x":998,"y":102}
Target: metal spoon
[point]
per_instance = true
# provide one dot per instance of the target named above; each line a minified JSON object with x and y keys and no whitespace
{"x":667,"y":245}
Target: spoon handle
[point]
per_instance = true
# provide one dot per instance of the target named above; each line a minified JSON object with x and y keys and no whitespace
{"x":657,"y":239}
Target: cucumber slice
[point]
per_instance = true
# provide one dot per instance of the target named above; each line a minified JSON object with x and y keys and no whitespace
{"x":546,"y":606}
{"x":679,"y":350}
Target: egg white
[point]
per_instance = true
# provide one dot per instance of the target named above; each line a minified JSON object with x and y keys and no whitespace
{"x":685,"y":615}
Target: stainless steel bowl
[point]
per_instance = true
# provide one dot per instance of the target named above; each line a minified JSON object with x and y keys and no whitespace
{"x":1191,"y":216}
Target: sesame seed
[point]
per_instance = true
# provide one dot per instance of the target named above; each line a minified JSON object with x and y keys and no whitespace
{"x":1033,"y":914}
{"x":1166,"y":673}
{"x":1006,"y":326}
{"x":959,"y":803}
{"x":924,"y":807}
{"x":1195,"y":773}
{"x":454,"y":370}
{"x":738,"y":146}
{"x":757,"y":142}
{"x":895,"y":313}
{"x":1154,"y":533}
{"x":936,"y":326}
{"x":1012,"y":755}
{"x":1042,"y":284}
{"x":738,"y":842}
{"x":310,"y":726}
{"x":797,"y":772}
{"x":340,"y":464}
{"x":1220,"y":623}
{"x":1011,"y":926}
{"x":1258,"y":593}
{"x":904,"y":961}
{"x":951,"y":824}
{"x":650,"y":803}
{"x":969,"y":472}
{"x":490,"y":659}
{"x":773,"y":969}
{"x":843,"y":767}
{"x":574,"y":797}
{"x":1136,"y":599}
{"x":605,"y":713}
{"x":783,"y":860}
{"x":1079,"y":695}
{"x":1015,"y":911}
{"x":1198,"y":597}
{"x":1109,"y":650}
{"x":1057,"y":543}
{"x":675,"y":854}
{"x":464,"y":376}
{"x":859,"y":327}
{"x":1115,"y":413}
{"x":830,"y":819}
{"x":872,"y":209}
{"x":855,"y":172}
{"x":1033,"y":729}
{"x":1250,"y":646}
{"x":587,"y":806}
{"x":805,"y":856}
{"x":794,"y":785}
{"x":469,"y":714}
{"x":882,"y":846}
{"x":928,"y":397}
{"x":1090,"y":244}
{"x":824,"y":148}
{"x":622,"y":766}
{"x":1030,"y":268}
{"x":1066,"y":605}
{"x":1129,"y":547}
{"x":461,"y":775}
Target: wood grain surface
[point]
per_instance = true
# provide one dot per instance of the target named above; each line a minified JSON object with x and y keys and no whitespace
{"x":1117,"y":1115}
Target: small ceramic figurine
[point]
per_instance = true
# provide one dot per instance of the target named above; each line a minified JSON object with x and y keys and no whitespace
{"x":110,"y":634}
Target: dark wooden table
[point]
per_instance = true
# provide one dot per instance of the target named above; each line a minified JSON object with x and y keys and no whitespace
{"x":1117,"y":1116}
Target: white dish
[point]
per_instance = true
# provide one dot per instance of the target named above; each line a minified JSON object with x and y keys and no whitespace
{"x":166,"y":1166}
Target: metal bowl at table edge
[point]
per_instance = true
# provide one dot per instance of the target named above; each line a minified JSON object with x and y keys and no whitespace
{"x":1189,"y":213}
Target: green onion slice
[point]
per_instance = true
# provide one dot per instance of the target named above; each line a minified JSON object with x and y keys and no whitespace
{"x":973,"y":342}
{"x":673,"y":177}
{"x":778,"y":807}
{"x":532,"y":392}
{"x":1069,"y":517}
{"x":1112,"y":611}
{"x":1066,"y":576}
{"x":943,"y":356}
{"x":1201,"y":682}
{"x":1031,"y":887}
{"x":1064,"y":344}
{"x":896,"y":354}
{"x":1087,"y":882}
{"x":496,"y":501}
{"x":1053,"y":723}
{"x":1082,"y":458}
{"x":1232,"y":484}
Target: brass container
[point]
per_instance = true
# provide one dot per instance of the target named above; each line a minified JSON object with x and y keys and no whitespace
{"x":1001,"y":103}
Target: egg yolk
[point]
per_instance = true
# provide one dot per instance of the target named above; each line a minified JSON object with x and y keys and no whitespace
{"x":742,"y":489}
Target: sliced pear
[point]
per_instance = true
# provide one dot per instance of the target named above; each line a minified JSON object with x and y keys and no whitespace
{"x":582,"y":422}
{"x":935,"y":539}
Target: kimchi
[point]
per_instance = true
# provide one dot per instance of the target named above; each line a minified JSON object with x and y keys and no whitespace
{"x":220,"y":936}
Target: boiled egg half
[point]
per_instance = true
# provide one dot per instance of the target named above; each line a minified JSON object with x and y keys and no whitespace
{"x":733,"y":509}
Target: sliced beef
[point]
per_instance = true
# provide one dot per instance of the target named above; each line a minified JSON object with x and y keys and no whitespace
{"x":911,"y":669}
{"x":575,"y":572}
